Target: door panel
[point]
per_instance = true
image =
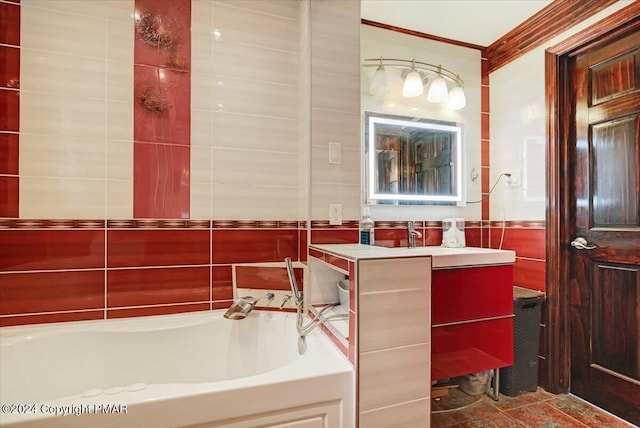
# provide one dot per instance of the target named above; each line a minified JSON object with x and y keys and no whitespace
{"x":616,"y":292}
{"x":614,"y":170}
{"x":604,"y":274}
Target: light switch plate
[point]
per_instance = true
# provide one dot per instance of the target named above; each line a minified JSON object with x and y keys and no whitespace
{"x":335,"y":152}
{"x":335,"y":214}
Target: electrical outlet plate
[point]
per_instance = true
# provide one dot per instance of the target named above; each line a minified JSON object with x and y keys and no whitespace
{"x":516,"y":178}
{"x":335,"y":214}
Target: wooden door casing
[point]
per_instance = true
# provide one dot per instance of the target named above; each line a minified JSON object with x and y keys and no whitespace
{"x":556,"y":367}
{"x":604,"y":208}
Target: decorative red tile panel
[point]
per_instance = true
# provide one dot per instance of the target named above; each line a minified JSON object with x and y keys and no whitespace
{"x":162,"y":109}
{"x":25,"y":250}
{"x":139,"y":287}
{"x":22,"y":293}
{"x":133,"y":248}
{"x":9,"y":67}
{"x":9,"y":153}
{"x":161,"y":180}
{"x":163,"y":33}
{"x":250,"y":246}
{"x":162,"y":105}
{"x":9,"y":110}
{"x":9,"y":192}
{"x":10,"y":24}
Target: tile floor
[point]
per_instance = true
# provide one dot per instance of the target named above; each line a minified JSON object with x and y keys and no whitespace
{"x":538,"y":409}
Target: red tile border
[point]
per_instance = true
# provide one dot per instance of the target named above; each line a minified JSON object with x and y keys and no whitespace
{"x":8,"y":321}
{"x":9,"y":67}
{"x":142,"y":247}
{"x":166,"y":243}
{"x":9,"y":153}
{"x":34,"y":292}
{"x":9,"y":196}
{"x":10,"y":20}
{"x":526,"y":242}
{"x":250,"y":246}
{"x":29,"y":250}
{"x":156,"y":310}
{"x":221,"y":283}
{"x":529,"y":274}
{"x":338,"y":262}
{"x":9,"y":110}
{"x":140,"y":287}
{"x":266,"y":277}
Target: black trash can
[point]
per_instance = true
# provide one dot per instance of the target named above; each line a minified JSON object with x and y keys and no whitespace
{"x":522,"y":376}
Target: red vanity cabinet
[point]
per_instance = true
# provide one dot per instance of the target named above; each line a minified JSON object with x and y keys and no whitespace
{"x":472,"y":320}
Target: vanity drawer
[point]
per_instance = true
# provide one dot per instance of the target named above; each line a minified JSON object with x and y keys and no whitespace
{"x":471,"y":293}
{"x":470,"y":347}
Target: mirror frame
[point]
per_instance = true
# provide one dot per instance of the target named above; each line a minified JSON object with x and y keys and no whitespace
{"x":373,"y":197}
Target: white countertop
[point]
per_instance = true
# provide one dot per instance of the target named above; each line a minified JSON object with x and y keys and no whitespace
{"x":442,"y":257}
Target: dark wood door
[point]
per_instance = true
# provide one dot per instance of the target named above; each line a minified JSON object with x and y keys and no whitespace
{"x":604,"y":269}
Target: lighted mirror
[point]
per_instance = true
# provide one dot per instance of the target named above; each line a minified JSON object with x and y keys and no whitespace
{"x":412,"y":160}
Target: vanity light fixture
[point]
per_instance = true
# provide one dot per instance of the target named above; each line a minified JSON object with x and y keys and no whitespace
{"x":413,"y":85}
{"x":380,"y":83}
{"x":438,"y":91}
{"x":416,"y":75}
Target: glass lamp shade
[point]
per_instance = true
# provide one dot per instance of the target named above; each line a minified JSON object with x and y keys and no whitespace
{"x":456,"y":100}
{"x":438,"y":91}
{"x":379,"y":83}
{"x":412,"y":86}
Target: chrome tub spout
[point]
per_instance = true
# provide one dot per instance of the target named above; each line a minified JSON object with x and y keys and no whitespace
{"x":244,"y":305}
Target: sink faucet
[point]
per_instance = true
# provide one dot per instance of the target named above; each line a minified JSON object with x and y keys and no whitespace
{"x":241,"y":307}
{"x":413,"y":233}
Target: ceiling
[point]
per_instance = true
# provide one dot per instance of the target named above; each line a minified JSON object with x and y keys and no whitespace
{"x":479,"y":22}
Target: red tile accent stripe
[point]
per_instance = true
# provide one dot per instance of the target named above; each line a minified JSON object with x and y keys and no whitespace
{"x":62,"y":269}
{"x":485,"y":134}
{"x":9,"y":109}
{"x":162,"y":109}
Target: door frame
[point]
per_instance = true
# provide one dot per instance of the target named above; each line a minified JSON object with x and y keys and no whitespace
{"x":559,"y":109}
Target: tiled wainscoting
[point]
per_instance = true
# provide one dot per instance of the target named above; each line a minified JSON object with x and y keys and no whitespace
{"x":65,"y":270}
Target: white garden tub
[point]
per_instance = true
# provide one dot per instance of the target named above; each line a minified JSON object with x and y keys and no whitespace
{"x":171,"y":371}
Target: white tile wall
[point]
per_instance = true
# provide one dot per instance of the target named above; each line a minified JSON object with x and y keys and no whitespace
{"x":76,"y":109}
{"x":245,"y":110}
{"x":518,"y":118}
{"x":335,"y":106}
{"x":378,"y":42}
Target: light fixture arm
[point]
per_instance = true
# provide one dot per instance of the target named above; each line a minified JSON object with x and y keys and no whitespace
{"x":418,"y":65}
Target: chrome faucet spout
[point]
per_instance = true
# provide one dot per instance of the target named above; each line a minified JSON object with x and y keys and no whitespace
{"x":413,"y":234}
{"x":244,"y":305}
